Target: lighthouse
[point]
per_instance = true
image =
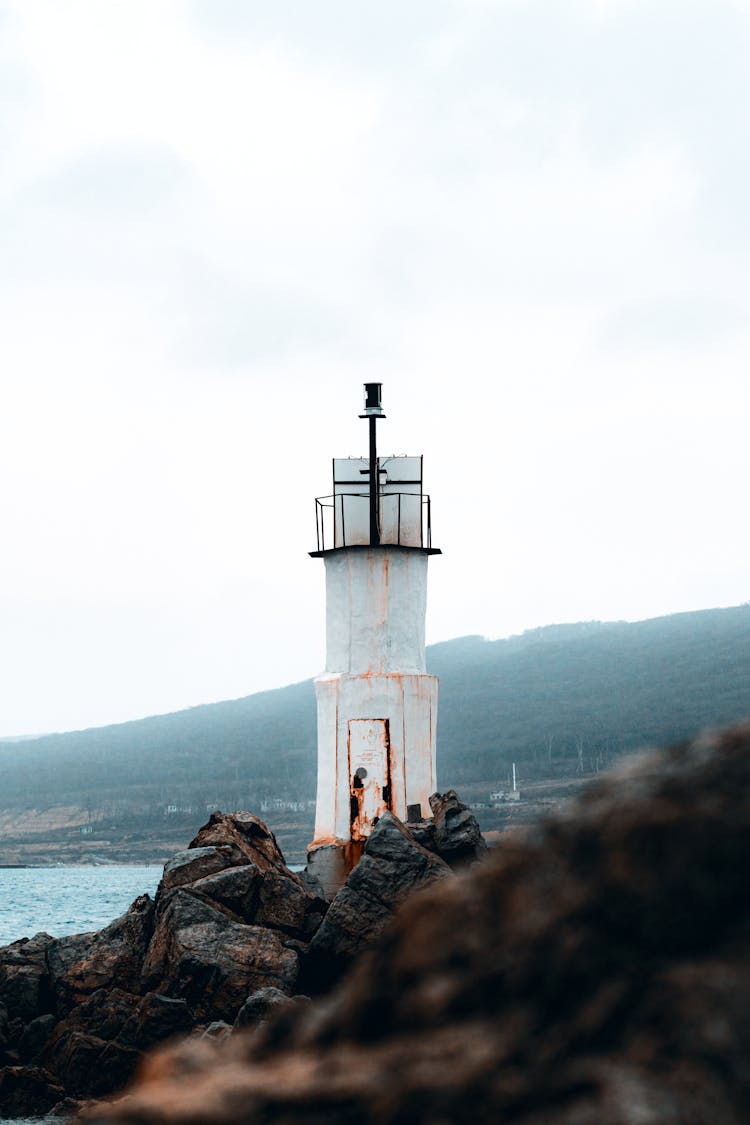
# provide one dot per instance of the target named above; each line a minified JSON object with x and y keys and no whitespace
{"x":377,"y":705}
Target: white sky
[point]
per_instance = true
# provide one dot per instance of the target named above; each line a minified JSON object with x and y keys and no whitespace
{"x":527,"y":219}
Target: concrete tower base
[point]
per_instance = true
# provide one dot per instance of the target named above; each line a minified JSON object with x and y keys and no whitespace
{"x":377,"y":705}
{"x":367,"y":722}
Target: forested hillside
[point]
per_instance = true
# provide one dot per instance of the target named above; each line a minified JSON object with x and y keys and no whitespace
{"x":560,"y":701}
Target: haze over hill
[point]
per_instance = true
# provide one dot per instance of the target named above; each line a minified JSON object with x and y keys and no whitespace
{"x":560,"y":701}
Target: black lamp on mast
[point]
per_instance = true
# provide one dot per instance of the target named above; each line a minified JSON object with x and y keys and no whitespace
{"x":373,"y":411}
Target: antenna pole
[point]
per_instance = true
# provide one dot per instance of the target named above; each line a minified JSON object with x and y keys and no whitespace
{"x":374,"y":529}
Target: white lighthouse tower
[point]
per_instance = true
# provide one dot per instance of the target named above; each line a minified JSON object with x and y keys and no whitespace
{"x":377,"y":706}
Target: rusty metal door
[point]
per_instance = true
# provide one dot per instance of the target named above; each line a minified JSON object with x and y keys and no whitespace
{"x":369,"y":773}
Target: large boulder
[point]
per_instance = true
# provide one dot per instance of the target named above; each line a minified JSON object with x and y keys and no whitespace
{"x":260,"y":1005}
{"x":25,"y":988}
{"x":87,"y":1065}
{"x":84,"y":963}
{"x":196,"y":863}
{"x":235,"y":891}
{"x":27,"y":1091}
{"x":235,"y":865}
{"x":246,"y":832}
{"x":157,"y":1018}
{"x":456,"y":836}
{"x":35,"y":1036}
{"x":392,"y":867}
{"x":200,"y":955}
{"x":597,"y":970}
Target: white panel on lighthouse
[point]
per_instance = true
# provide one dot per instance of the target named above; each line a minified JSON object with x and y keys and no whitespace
{"x":401,"y":501}
{"x":369,"y":773}
{"x":351,"y":498}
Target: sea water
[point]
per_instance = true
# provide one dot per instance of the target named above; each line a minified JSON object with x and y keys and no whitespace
{"x":68,"y":900}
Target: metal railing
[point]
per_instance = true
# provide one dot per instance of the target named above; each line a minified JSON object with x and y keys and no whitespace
{"x":342,"y":520}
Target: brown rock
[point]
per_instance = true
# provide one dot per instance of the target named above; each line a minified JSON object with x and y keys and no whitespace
{"x":196,"y":863}
{"x":597,"y":971}
{"x":25,"y":990}
{"x":393,"y":866}
{"x":87,"y":1065}
{"x":259,"y":1005}
{"x":285,"y":904}
{"x":104,"y":1014}
{"x":84,"y":963}
{"x":200,"y":955}
{"x":35,"y":1036}
{"x":75,"y":1053}
{"x":235,"y":890}
{"x":158,"y":1018}
{"x":27,"y":1090}
{"x":455,"y":835}
{"x":274,"y":897}
{"x":248,"y":833}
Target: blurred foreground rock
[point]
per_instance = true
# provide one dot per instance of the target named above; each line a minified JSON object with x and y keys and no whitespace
{"x":596,"y":972}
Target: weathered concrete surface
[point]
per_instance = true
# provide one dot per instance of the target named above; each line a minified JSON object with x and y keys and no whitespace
{"x":597,"y":972}
{"x":375,"y":671}
{"x":409,"y":702}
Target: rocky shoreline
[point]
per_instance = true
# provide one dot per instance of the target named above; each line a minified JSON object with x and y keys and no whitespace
{"x":595,"y":970}
{"x":231,"y":935}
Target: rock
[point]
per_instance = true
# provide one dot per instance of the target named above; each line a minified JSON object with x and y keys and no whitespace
{"x":85,"y":963}
{"x":597,"y":970}
{"x":393,"y":866}
{"x":260,"y":1004}
{"x":34,"y":1036}
{"x":196,"y":863}
{"x":105,"y":1014}
{"x":274,"y":897}
{"x":25,"y":989}
{"x":86,"y":1064}
{"x":456,"y":835}
{"x":218,"y":1030}
{"x":313,"y":885}
{"x":78,"y":1052}
{"x":248,"y":833}
{"x":27,"y":1091}
{"x":235,"y":890}
{"x":284,"y":904}
{"x":158,"y":1018}
{"x":199,"y":955}
{"x":423,"y":832}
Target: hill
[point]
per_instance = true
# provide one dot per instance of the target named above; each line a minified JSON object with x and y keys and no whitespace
{"x":560,"y":701}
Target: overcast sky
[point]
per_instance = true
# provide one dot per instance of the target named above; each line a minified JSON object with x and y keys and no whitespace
{"x":528,"y":219}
